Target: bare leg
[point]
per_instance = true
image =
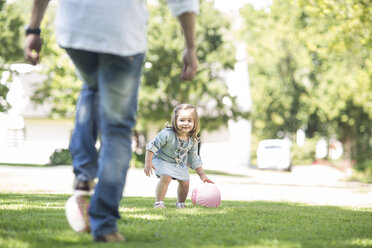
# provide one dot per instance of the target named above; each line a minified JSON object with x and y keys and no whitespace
{"x":183,"y":190}
{"x":162,"y":187}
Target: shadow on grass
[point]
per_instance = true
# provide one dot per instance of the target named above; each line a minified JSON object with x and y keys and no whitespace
{"x":39,"y":221}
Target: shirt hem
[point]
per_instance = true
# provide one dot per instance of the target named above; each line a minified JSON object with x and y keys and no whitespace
{"x":101,"y":50}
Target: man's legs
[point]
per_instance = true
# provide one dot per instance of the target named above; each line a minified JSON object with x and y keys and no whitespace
{"x":83,"y":141}
{"x":109,"y":95}
{"x":118,"y":83}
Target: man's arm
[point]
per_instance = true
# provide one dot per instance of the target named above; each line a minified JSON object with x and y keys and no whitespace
{"x":33,"y":41}
{"x":187,"y":21}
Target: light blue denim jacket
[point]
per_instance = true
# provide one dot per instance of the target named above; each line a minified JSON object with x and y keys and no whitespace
{"x":167,"y":146}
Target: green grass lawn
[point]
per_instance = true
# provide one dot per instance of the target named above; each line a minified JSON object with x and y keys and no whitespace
{"x":38,"y":220}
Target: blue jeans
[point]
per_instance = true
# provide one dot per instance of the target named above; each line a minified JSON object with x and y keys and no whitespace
{"x":107,"y":105}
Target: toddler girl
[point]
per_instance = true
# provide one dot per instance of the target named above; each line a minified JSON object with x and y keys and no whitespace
{"x":172,"y":152}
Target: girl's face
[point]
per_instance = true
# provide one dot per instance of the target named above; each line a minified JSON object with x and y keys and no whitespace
{"x":185,"y":121}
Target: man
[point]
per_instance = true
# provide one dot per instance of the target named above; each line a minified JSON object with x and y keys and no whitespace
{"x":106,"y":40}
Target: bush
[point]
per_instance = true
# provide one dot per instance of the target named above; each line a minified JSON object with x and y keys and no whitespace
{"x":305,"y":154}
{"x":63,"y":157}
{"x":365,"y":166}
{"x":364,"y":176}
{"x":254,"y":144}
{"x":60,"y":157}
{"x":138,"y":160}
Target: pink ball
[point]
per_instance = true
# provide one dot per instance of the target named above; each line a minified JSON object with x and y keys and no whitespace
{"x":206,"y":195}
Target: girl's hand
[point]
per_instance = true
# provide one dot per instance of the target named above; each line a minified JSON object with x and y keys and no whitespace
{"x":204,"y":178}
{"x":148,"y":169}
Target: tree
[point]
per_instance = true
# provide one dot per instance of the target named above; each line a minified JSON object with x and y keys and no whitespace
{"x":162,"y":88}
{"x":278,"y":69}
{"x":345,"y":79}
{"x":11,"y":36}
{"x":62,"y":86}
{"x":311,"y":66}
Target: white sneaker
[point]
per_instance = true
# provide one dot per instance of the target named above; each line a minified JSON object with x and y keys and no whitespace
{"x":159,"y":204}
{"x":180,"y":205}
{"x":77,"y":213}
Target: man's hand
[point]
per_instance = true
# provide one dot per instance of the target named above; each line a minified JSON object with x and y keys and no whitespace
{"x":32,"y":48}
{"x":33,"y":42}
{"x":190,"y":63}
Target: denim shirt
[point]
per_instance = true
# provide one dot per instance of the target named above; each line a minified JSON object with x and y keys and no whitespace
{"x":167,"y":146}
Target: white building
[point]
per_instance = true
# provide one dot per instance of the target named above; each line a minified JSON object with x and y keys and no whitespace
{"x":27,"y":134}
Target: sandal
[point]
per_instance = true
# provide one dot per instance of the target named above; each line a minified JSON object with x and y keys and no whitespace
{"x":180,"y":205}
{"x":159,"y":204}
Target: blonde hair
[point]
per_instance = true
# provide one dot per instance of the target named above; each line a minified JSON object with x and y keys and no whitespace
{"x":195,"y":130}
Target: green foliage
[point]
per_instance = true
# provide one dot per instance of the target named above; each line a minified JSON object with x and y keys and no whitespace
{"x":341,"y":39}
{"x":31,"y":220}
{"x":366,"y":166}
{"x":311,"y":66}
{"x":303,"y":155}
{"x":138,"y":160}
{"x":362,"y":174}
{"x":4,"y":105}
{"x":63,"y":157}
{"x":60,"y":157}
{"x":11,"y":36}
{"x":254,"y":144}
{"x":62,"y":86}
{"x":162,"y":88}
{"x":276,"y":70}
